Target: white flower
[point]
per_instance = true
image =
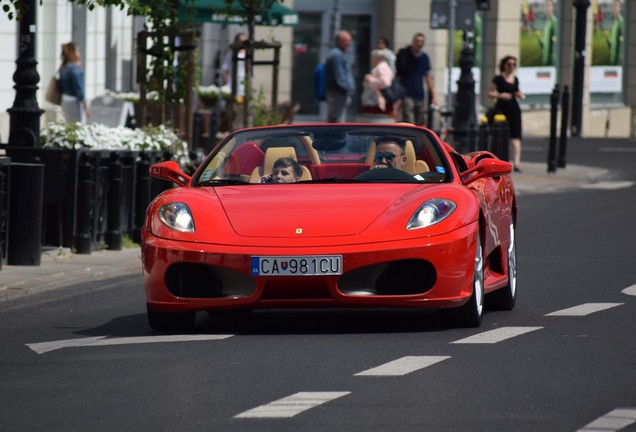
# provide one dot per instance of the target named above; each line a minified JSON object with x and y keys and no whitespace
{"x":226,"y":91}
{"x":96,"y":136}
{"x":210,"y":91}
{"x":126,"y":96}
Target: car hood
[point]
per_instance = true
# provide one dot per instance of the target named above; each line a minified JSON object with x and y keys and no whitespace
{"x":310,"y":210}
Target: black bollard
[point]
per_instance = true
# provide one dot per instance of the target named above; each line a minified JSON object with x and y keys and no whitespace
{"x":142,"y":194}
{"x":213,"y":128}
{"x":82,"y":238}
{"x":113,"y":235}
{"x":552,"y":149}
{"x":505,"y":140}
{"x":482,"y":143}
{"x":500,"y":137}
{"x":197,"y":122}
{"x":565,"y":112}
{"x":495,"y":138}
{"x":26,"y":196}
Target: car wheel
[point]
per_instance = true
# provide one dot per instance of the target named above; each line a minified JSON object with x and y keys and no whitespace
{"x":505,"y":298}
{"x":170,"y":321}
{"x":471,"y":314}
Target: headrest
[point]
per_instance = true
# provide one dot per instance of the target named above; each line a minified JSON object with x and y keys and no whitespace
{"x":272,"y":154}
{"x":409,"y":152}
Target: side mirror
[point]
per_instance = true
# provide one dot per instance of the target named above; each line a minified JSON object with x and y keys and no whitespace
{"x":487,"y":167}
{"x":170,"y":171}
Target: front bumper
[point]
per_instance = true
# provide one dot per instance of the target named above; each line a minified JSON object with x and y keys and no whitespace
{"x":430,"y":272}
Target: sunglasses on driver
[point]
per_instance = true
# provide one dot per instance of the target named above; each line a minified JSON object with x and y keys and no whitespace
{"x":388,"y":156}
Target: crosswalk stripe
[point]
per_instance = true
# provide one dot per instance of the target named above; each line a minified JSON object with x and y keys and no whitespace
{"x":403,"y":366}
{"x":584,"y":309}
{"x":497,"y":335}
{"x":291,"y":405}
{"x":612,"y":421}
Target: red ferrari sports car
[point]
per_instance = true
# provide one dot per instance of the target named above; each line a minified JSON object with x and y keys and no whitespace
{"x":331,"y":215}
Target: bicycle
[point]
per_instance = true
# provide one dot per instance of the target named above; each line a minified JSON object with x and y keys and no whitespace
{"x":444,"y":120}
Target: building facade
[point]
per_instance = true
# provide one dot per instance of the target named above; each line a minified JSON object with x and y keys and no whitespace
{"x":107,"y":37}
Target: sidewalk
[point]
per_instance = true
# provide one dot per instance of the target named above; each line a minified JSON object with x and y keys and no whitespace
{"x":61,"y":267}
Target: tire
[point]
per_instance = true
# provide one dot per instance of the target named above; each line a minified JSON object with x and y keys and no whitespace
{"x":472,"y":313}
{"x":505,"y":298}
{"x":181,"y":322}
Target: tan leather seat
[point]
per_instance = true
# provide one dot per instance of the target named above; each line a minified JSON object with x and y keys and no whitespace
{"x":272,"y":154}
{"x":412,"y":165}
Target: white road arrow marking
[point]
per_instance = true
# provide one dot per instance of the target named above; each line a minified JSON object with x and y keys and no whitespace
{"x":291,"y":405}
{"x":630,"y":290}
{"x":497,"y":335}
{"x":584,"y":309}
{"x":44,"y":347}
{"x":612,"y":421}
{"x":403,"y":366}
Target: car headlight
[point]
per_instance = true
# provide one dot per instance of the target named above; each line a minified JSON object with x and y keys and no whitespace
{"x":177,"y":216}
{"x":430,"y":213}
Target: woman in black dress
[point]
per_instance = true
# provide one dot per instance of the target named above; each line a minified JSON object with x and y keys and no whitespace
{"x":504,"y":88}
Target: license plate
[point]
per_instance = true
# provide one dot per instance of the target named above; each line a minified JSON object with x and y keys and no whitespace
{"x":310,"y":265}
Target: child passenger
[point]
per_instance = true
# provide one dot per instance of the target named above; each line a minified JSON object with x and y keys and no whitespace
{"x":285,"y":170}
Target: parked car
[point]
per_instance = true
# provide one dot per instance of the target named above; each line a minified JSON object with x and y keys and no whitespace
{"x":437,"y":233}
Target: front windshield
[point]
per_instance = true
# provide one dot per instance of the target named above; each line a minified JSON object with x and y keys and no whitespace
{"x":325,"y":153}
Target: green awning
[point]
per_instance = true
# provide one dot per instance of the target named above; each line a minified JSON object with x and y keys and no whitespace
{"x":216,"y":11}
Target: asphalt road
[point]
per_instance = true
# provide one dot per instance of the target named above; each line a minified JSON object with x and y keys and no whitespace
{"x":83,"y":358}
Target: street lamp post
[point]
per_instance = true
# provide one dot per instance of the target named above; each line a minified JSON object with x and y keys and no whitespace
{"x":578,"y":73}
{"x":25,"y":113}
{"x":464,"y":119}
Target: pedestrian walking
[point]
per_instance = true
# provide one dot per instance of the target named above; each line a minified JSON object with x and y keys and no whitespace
{"x":384,"y":45}
{"x":339,"y":78}
{"x":504,"y":89}
{"x":227,"y":66}
{"x":416,"y":81}
{"x":72,"y":86}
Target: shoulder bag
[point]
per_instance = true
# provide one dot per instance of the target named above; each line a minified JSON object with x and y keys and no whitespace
{"x":54,"y":90}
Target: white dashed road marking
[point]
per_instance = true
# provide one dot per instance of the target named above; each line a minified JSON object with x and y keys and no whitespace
{"x":291,"y":405}
{"x":609,"y":185}
{"x":617,"y":150}
{"x":584,"y":309}
{"x":44,"y":347}
{"x":630,"y":290}
{"x":612,"y":421}
{"x":497,"y":335}
{"x":403,"y":366}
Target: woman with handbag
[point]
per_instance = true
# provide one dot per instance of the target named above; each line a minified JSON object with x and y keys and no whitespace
{"x":504,"y":89}
{"x":74,"y":104}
